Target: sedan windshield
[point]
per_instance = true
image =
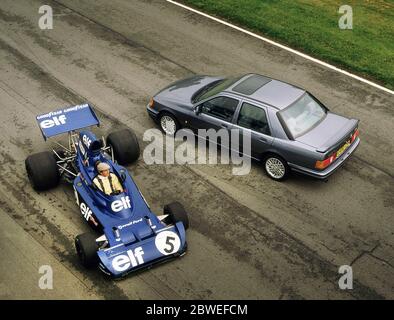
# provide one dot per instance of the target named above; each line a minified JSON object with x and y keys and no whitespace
{"x":213,"y":88}
{"x":303,"y":115}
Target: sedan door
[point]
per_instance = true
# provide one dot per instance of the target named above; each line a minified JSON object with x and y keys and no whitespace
{"x":252,"y":119}
{"x":216,"y":113}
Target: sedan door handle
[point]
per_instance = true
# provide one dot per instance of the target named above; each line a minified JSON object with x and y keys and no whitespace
{"x":263,"y":139}
{"x":223,"y":125}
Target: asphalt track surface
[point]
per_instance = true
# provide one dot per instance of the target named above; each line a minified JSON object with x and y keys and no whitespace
{"x":250,"y":237}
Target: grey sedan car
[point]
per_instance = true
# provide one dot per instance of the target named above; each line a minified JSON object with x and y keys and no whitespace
{"x":289,"y":128}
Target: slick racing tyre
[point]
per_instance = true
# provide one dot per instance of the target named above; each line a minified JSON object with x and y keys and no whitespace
{"x":276,"y":167}
{"x":125,"y":146}
{"x":86,"y":247}
{"x":177,"y":213}
{"x":42,"y":170}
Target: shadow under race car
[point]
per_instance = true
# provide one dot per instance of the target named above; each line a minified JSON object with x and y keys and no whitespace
{"x":128,"y":236}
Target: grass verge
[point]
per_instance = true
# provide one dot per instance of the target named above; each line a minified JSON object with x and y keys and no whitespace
{"x":311,"y":26}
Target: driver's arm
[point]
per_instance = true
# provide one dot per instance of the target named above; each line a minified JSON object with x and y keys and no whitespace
{"x":116,"y":182}
{"x":97,"y":184}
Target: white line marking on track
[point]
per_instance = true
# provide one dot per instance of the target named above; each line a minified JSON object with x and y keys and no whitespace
{"x":325,"y":64}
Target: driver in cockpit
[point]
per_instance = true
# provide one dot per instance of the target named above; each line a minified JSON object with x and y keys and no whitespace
{"x":107,"y":181}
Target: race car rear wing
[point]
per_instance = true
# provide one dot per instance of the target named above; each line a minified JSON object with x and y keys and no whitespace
{"x":67,"y":120}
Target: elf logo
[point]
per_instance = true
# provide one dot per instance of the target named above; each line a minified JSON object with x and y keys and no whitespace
{"x":132,"y":259}
{"x":86,"y":141}
{"x":85,"y":210}
{"x":55,"y":121}
{"x":121,"y":204}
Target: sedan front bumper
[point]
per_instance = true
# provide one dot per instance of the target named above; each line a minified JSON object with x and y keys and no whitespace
{"x":152,"y":113}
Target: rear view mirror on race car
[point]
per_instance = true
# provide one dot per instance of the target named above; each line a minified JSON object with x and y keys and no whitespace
{"x":123,"y":175}
{"x":127,"y":235}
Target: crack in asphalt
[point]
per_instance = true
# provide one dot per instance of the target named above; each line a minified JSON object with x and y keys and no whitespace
{"x":371,"y":253}
{"x":364,"y":252}
{"x":382,"y":260}
{"x":374,"y":166}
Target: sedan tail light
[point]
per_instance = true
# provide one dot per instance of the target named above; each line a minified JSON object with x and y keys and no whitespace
{"x":326,"y":162}
{"x":322,"y":164}
{"x":355,"y":135}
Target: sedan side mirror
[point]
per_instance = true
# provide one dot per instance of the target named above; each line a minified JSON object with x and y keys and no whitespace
{"x":197,"y":109}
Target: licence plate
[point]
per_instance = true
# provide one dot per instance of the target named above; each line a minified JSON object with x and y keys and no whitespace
{"x":342,"y":149}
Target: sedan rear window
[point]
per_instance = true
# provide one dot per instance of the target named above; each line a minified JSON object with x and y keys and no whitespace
{"x":302,"y":115}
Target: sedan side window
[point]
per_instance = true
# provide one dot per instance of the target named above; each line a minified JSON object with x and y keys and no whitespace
{"x":220,"y":107}
{"x":254,"y":118}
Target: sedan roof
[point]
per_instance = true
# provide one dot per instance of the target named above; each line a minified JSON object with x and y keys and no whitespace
{"x":270,"y":91}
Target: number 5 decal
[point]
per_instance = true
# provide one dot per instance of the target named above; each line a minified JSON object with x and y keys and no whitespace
{"x":167,"y":242}
{"x":170,"y":245}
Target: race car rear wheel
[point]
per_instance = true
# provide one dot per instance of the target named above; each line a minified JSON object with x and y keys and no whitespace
{"x":125,"y":146}
{"x":177,"y":213}
{"x":86,"y":247}
{"x":42,"y":170}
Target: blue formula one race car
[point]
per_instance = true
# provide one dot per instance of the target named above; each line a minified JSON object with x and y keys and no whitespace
{"x":127,"y":235}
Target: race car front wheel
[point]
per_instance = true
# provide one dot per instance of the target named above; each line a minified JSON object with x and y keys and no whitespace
{"x":125,"y":146}
{"x":86,"y":247}
{"x":177,"y":213}
{"x":42,"y":170}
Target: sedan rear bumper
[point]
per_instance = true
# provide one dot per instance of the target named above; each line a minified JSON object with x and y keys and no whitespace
{"x":324,"y":174}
